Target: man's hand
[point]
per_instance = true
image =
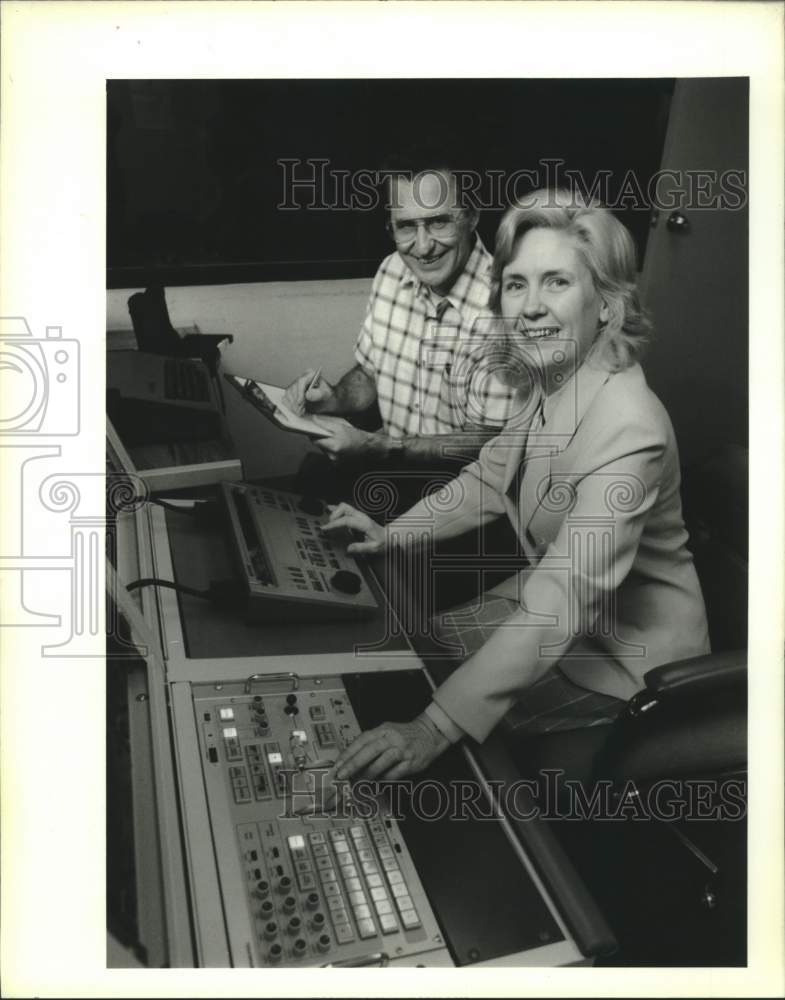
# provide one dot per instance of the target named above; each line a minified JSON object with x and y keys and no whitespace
{"x":299,"y":398}
{"x":346,"y":518}
{"x":347,"y":441}
{"x":392,"y":750}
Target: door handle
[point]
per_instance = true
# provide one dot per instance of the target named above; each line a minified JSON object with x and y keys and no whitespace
{"x":678,"y":223}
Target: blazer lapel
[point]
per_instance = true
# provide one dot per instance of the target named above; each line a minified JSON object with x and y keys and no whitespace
{"x":562,"y":413}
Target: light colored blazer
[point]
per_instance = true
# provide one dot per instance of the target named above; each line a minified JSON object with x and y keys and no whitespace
{"x":594,"y":497}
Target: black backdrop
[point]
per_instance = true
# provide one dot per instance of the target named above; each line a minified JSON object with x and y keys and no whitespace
{"x":194,"y":182}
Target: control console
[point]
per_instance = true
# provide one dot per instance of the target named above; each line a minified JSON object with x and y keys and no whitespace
{"x":324,"y":888}
{"x":293,"y":570}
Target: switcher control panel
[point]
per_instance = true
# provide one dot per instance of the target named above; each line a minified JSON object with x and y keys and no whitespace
{"x":323,"y":888}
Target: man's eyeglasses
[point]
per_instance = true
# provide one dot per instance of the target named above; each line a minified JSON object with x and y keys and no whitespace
{"x":439,"y":227}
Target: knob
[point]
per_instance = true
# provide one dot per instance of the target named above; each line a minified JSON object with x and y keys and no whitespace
{"x":267,"y":909}
{"x":678,"y":223}
{"x":346,"y":581}
{"x":284,"y":884}
{"x":311,"y":505}
{"x":291,"y":699}
{"x":323,"y":944}
{"x":312,"y":900}
{"x":294,"y":925}
{"x":317,"y":921}
{"x":289,"y":905}
{"x":263,"y":725}
{"x":270,"y":930}
{"x":275,"y":953}
{"x":262,"y":889}
{"x":299,"y":948}
{"x":291,"y":710}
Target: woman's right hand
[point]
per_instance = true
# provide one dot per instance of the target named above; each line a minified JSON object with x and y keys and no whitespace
{"x":372,"y":536}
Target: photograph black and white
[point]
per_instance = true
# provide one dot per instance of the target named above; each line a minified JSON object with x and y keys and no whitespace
{"x":414,"y":577}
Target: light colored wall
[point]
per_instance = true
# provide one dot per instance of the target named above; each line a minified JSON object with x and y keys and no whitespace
{"x":279,"y":330}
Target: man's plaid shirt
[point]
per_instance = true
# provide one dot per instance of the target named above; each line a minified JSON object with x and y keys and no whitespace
{"x":433,"y":370}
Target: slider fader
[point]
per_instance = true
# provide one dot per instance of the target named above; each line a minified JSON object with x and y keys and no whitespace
{"x":312,"y":890}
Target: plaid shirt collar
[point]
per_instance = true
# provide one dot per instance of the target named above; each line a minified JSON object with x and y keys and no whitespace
{"x":471,"y":286}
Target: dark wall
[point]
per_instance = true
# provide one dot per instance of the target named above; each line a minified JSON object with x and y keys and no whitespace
{"x":194,"y":184}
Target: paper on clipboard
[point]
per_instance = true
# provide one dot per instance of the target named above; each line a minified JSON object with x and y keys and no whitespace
{"x":268,"y":399}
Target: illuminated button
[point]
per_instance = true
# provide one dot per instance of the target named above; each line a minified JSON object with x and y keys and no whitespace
{"x":274,"y":759}
{"x":341,"y":847}
{"x":344,"y":933}
{"x":379,"y":894}
{"x":316,"y":838}
{"x":331,"y":889}
{"x":386,"y":852}
{"x":366,"y":928}
{"x":362,"y":911}
{"x":389,"y":864}
{"x":324,"y":863}
{"x":353,"y":885}
{"x":306,"y":881}
{"x":374,"y":881}
{"x":328,"y":875}
{"x":296,"y":842}
{"x":388,"y":923}
{"x":393,"y":878}
{"x":230,"y":733}
{"x":348,"y":871}
{"x":370,"y":868}
{"x":337,"y":835}
{"x":303,"y":866}
{"x":300,"y":735}
{"x":383,"y":906}
{"x":320,"y":850}
{"x":226,"y":714}
{"x":336,"y":905}
{"x":403,"y":902}
{"x":409,"y":919}
{"x":399,"y":889}
{"x":362,"y":843}
{"x":364,"y":855}
{"x":356,"y":898}
{"x":357,"y":831}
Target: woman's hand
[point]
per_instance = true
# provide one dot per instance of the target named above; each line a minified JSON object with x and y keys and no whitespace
{"x":392,"y":750}
{"x":372,"y":538}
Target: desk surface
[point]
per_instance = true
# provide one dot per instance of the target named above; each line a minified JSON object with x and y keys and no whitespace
{"x":199,"y":555}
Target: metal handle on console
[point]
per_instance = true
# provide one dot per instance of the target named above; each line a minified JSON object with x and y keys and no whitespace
{"x":380,"y":958}
{"x":294,"y":678}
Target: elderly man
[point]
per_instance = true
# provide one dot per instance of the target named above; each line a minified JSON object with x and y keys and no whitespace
{"x":421,"y":355}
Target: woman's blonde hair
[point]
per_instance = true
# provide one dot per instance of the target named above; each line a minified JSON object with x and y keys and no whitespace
{"x":608,"y":251}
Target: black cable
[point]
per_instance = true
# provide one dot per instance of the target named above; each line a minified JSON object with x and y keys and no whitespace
{"x":175,"y":508}
{"x":154,"y":581}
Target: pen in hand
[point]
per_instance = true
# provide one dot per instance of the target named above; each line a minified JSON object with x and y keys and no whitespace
{"x":311,"y":385}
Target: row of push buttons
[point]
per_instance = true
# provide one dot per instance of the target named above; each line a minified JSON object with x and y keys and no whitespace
{"x":400,"y":892}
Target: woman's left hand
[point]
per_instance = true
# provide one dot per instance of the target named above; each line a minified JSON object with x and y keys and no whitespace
{"x":392,"y":750}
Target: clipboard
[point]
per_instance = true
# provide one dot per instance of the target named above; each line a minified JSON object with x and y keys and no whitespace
{"x":268,"y":400}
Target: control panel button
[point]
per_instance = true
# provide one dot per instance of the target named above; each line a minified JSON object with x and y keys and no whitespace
{"x":366,"y":928}
{"x":346,"y":582}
